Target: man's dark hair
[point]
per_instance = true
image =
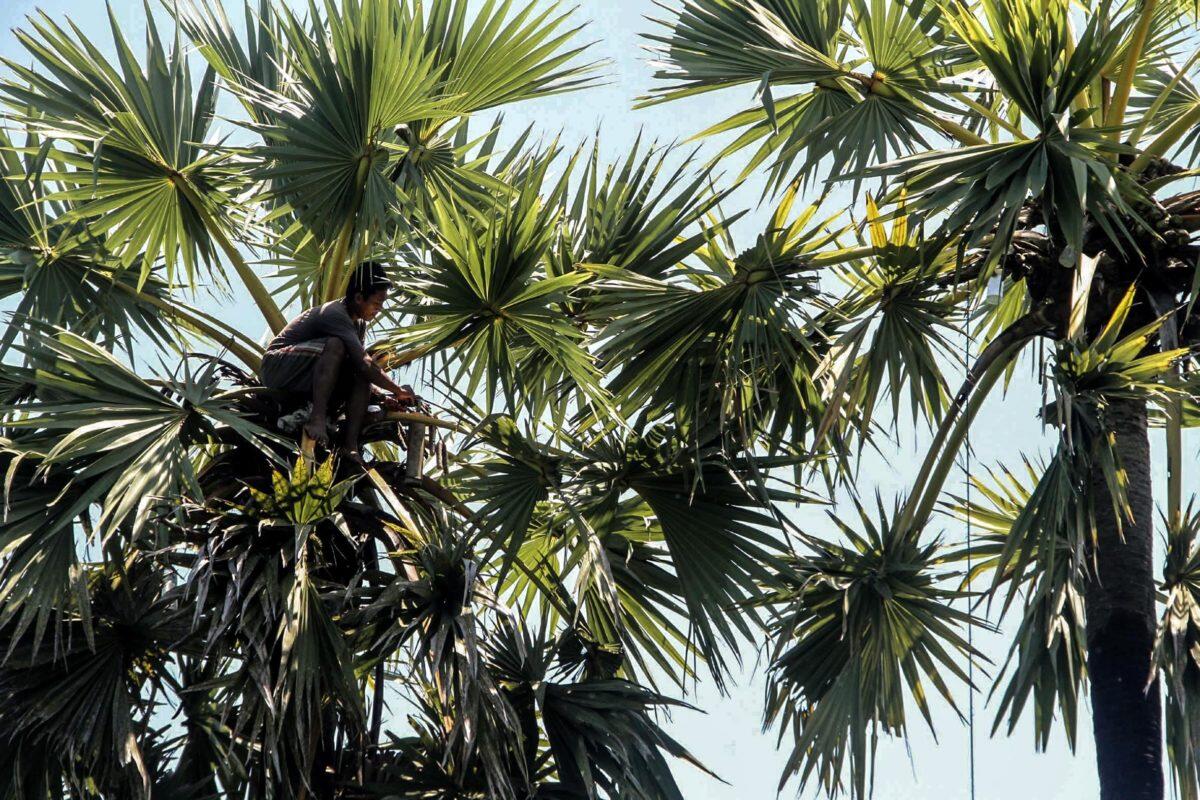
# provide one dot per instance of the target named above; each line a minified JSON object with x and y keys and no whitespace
{"x":368,"y":278}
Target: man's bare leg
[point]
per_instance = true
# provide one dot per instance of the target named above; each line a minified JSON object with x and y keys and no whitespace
{"x":325,"y":378}
{"x":356,"y":412}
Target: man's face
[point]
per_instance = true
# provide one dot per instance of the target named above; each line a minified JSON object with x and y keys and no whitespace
{"x":370,"y":305}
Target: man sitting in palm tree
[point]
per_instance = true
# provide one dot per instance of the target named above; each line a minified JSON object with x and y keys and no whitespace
{"x":320,"y":354}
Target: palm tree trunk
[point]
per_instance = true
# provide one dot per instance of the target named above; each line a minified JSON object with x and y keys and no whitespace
{"x":1126,"y":716}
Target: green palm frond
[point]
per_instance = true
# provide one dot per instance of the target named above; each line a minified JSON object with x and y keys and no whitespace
{"x":981,"y":190}
{"x":328,"y":133}
{"x":379,"y":97}
{"x":1031,"y":54}
{"x":315,"y":671}
{"x":1167,"y":96}
{"x":1068,"y":167}
{"x":65,"y":274}
{"x":501,"y":56}
{"x":721,"y":341}
{"x":82,"y":698}
{"x":486,"y":297}
{"x":94,"y":300}
{"x":296,"y":256}
{"x":650,"y":597}
{"x":1167,"y":40}
{"x":1115,"y":362}
{"x":635,"y":530}
{"x":206,"y":753}
{"x":861,"y":106}
{"x":294,"y":675}
{"x":901,"y":315}
{"x":455,"y":165}
{"x":423,"y":765}
{"x":637,"y":215}
{"x":1039,"y":514}
{"x":722,"y":542}
{"x":623,"y":600}
{"x":720,"y":545}
{"x":858,"y":631}
{"x":1177,"y":654}
{"x":257,"y":62}
{"x":509,"y":488}
{"x":605,"y":743}
{"x":1048,"y":520}
{"x":715,"y":44}
{"x":41,"y":565}
{"x":265,"y":568}
{"x":105,"y":437}
{"x":131,"y":141}
{"x":998,"y":314}
{"x":1048,"y":657}
{"x":125,"y":439}
{"x":305,"y":496}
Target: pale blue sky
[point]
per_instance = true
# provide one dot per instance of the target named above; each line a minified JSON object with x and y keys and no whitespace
{"x":728,"y":737}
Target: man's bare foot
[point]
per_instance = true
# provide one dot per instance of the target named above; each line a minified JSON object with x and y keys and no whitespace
{"x":315,"y":429}
{"x":352,"y":454}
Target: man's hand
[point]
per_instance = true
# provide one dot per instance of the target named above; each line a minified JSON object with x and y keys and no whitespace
{"x":397,"y":401}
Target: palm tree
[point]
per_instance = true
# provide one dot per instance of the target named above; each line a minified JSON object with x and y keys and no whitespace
{"x":189,"y":607}
{"x":626,"y":401}
{"x":1034,"y":147}
{"x":192,"y":607}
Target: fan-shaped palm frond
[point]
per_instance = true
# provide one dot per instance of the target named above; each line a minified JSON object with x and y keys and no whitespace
{"x":607,"y":574}
{"x":849,"y":115}
{"x":499,"y":56}
{"x":325,"y":141}
{"x":900,"y":313}
{"x":719,"y":44}
{"x":133,"y":144}
{"x":1047,"y":661}
{"x":859,"y":629}
{"x":1177,"y":653}
{"x":636,"y":215}
{"x":486,"y":296}
{"x":649,"y":594}
{"x":1068,"y":167}
{"x":63,"y":274}
{"x":604,"y":740}
{"x":1169,"y":98}
{"x":379,"y":96}
{"x":98,"y":434}
{"x":721,"y":540}
{"x":510,"y":487}
{"x":716,"y":342}
{"x":258,"y":61}
{"x":95,"y":413}
{"x":81,"y":699}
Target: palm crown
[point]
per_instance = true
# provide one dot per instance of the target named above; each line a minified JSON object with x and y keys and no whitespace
{"x":629,"y":401}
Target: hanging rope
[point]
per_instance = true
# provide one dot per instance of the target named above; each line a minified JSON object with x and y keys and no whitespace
{"x":966,"y":462}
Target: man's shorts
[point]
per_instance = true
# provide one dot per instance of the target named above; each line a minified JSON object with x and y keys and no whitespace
{"x":291,"y":368}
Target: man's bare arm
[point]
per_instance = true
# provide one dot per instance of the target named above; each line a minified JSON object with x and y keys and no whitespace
{"x":378,"y":377}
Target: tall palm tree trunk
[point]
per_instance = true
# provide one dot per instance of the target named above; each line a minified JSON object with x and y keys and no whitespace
{"x":1126,"y":717}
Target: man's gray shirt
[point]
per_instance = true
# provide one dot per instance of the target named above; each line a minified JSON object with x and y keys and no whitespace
{"x":321,"y":322}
